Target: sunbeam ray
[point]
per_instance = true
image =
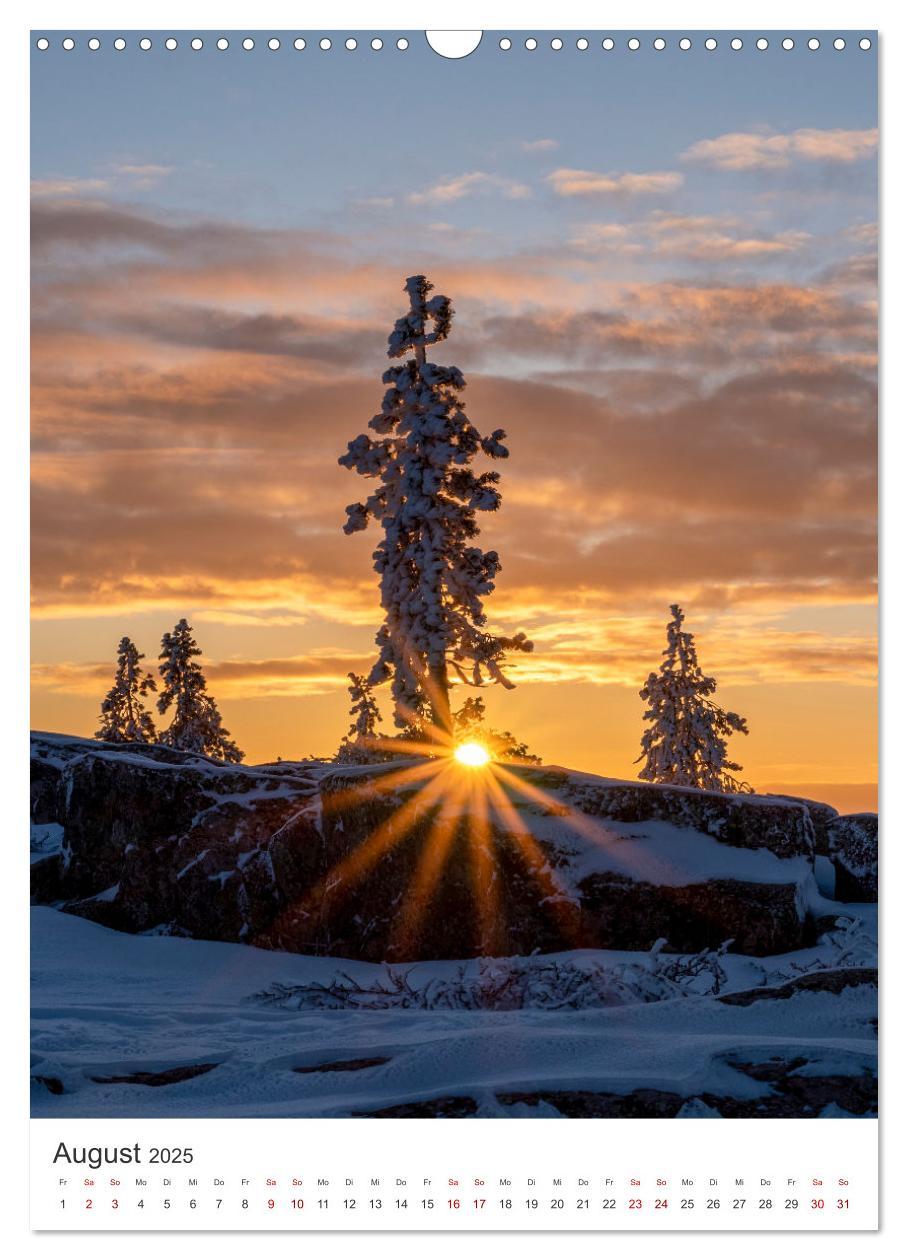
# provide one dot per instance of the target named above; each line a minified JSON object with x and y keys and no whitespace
{"x":625,"y":857}
{"x":408,"y":925}
{"x":482,"y":858}
{"x":562,"y":902}
{"x":386,"y":781}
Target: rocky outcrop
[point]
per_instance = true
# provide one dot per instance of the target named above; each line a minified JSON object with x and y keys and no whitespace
{"x":820,"y":815}
{"x":389,"y":902}
{"x":783,"y":826}
{"x":401,"y":898}
{"x":758,"y":919}
{"x":355,"y":862}
{"x":853,"y":848}
{"x":156,"y":840}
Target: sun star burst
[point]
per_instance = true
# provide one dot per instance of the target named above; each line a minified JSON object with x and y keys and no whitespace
{"x":471,"y":754}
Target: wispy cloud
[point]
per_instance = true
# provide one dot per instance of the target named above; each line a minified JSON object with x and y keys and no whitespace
{"x":705,"y":237}
{"x":764,"y":151}
{"x":538,"y":146}
{"x":142,"y":175}
{"x":569,"y":182}
{"x":133,"y":176}
{"x":68,"y":187}
{"x":750,"y":650}
{"x":456,"y":187}
{"x":313,"y":673}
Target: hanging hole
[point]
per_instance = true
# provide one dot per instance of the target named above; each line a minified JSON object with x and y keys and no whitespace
{"x":788,"y":43}
{"x":196,"y":43}
{"x":659,"y":44}
{"x":711,"y":44}
{"x":403,"y":44}
{"x":633,"y":44}
{"x":223,"y":43}
{"x":274,"y":44}
{"x":376,"y":43}
{"x":684,"y":44}
{"x":120,"y":44}
{"x":350,"y":44}
{"x":762,"y":44}
{"x":453,"y":44}
{"x":530,"y":44}
{"x":145,"y":44}
{"x":299,"y":43}
{"x":94,"y":43}
{"x":504,"y":44}
{"x":737,"y":44}
{"x":69,"y":43}
{"x":42,"y":44}
{"x":865,"y":43}
{"x":583,"y":43}
{"x":608,"y":44}
{"x":170,"y":44}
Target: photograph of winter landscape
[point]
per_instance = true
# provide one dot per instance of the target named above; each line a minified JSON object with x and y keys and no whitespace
{"x":454,"y":600}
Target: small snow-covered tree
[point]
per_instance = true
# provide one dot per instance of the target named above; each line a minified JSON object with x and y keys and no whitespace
{"x":361,"y":744}
{"x":196,"y":723}
{"x":470,"y":724}
{"x":363,"y":710}
{"x":124,"y":718}
{"x":433,"y":577}
{"x":687,"y":740}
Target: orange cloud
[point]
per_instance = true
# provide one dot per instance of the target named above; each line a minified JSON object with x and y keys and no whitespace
{"x":569,"y":182}
{"x":711,"y":442}
{"x":753,"y":151}
{"x":705,"y":237}
{"x":598,"y":650}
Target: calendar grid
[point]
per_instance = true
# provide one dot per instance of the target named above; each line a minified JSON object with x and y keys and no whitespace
{"x":365,"y":1175}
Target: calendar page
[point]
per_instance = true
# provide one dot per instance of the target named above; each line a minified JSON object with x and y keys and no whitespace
{"x":453,"y":789}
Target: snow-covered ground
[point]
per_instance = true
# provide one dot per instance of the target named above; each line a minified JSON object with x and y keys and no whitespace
{"x":107,"y":1004}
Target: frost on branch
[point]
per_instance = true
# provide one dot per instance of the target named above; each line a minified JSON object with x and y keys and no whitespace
{"x":512,"y":984}
{"x":124,"y":718}
{"x":687,"y":740}
{"x":410,"y":330}
{"x":433,"y":575}
{"x":196,"y":724}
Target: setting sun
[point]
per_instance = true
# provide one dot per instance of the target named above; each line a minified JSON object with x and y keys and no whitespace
{"x":471,"y":754}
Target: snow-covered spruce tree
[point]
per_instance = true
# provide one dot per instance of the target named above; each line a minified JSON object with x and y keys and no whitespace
{"x":124,"y":718}
{"x":361,"y":745}
{"x":687,"y":740}
{"x":470,"y":724}
{"x":196,"y":724}
{"x":433,"y":578}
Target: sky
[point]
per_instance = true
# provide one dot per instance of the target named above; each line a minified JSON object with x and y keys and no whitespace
{"x":663,"y":268}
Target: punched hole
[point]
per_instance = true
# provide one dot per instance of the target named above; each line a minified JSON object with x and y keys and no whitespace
{"x":453,"y":44}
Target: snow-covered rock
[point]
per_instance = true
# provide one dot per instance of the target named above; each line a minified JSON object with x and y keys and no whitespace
{"x":567,"y":861}
{"x":743,"y":820}
{"x":353,"y":862}
{"x":853,"y":849}
{"x":155,"y":839}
